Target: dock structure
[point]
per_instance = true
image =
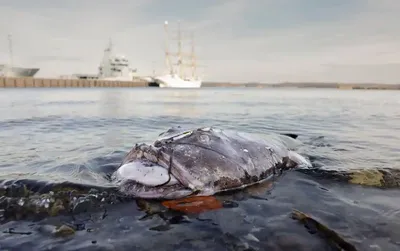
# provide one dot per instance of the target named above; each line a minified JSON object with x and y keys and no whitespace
{"x":30,"y":82}
{"x":6,"y":82}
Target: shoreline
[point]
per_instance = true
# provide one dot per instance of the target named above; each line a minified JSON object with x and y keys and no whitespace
{"x":28,"y":82}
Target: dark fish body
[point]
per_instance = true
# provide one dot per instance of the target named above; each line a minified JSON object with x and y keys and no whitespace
{"x":204,"y":161}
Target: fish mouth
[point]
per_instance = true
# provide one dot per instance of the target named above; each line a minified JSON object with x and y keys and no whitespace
{"x":146,"y":172}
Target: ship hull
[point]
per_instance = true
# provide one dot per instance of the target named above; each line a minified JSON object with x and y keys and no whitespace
{"x":18,"y":71}
{"x":172,"y":81}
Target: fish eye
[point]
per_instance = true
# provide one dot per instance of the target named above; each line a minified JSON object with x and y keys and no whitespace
{"x":204,"y":138}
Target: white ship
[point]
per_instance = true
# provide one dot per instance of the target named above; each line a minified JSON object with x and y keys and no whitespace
{"x":113,"y":67}
{"x":9,"y":70}
{"x":176,"y":78}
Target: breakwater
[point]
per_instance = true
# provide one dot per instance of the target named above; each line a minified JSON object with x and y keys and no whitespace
{"x":8,"y":82}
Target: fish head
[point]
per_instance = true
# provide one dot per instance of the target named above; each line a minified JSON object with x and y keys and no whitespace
{"x":178,"y":163}
{"x":145,"y":173}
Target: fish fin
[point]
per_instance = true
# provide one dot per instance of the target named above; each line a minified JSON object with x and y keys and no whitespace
{"x":300,"y":160}
{"x":292,"y":135}
{"x":194,"y":204}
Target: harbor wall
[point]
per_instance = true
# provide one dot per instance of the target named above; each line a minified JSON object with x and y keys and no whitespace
{"x":6,"y":82}
{"x":342,"y":86}
{"x":29,"y":82}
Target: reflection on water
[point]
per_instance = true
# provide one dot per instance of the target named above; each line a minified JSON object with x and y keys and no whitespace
{"x":111,"y":105}
{"x":181,"y":103}
{"x":81,"y":136}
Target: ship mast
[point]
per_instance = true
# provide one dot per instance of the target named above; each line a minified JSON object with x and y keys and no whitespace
{"x":179,"y":50}
{"x":10,"y":48}
{"x":167,"y":59}
{"x":193,"y":58}
{"x":104,"y":69}
{"x":180,"y":71}
{"x":153,"y":66}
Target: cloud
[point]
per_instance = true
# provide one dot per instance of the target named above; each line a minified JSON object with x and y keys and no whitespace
{"x":236,"y":40}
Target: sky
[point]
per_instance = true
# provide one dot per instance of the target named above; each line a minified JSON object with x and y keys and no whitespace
{"x":265,"y":41}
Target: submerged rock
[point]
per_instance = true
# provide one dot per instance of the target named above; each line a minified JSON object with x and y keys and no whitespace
{"x":64,"y":231}
{"x":380,"y":177}
{"x":56,"y":208}
{"x":20,"y":203}
{"x":14,"y":190}
{"x":315,"y":226}
{"x":82,"y":205}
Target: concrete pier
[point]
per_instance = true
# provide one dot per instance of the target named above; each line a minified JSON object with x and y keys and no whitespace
{"x":6,"y":82}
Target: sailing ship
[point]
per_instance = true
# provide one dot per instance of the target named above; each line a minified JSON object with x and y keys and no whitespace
{"x":9,"y":70}
{"x":176,"y":78}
